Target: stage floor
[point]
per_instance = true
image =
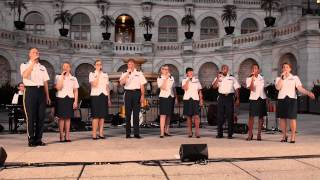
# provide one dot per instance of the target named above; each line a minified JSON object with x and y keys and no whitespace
{"x":153,"y":158}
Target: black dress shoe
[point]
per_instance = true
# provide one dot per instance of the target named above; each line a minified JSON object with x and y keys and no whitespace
{"x":292,"y":141}
{"x":161,"y":136}
{"x":137,"y":136}
{"x":101,"y":137}
{"x":128,"y":136}
{"x":219,"y":136}
{"x":67,"y":140}
{"x":40,"y":143}
{"x":167,"y":134}
{"x":230,"y":137}
{"x":30,"y":144}
{"x":95,"y":138}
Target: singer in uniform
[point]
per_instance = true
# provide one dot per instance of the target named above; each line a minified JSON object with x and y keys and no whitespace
{"x":228,"y":88}
{"x":167,"y":98}
{"x":257,"y":99}
{"x":36,"y":96}
{"x":18,"y":97}
{"x":287,"y":84}
{"x":100,"y":99}
{"x":192,"y":100}
{"x":133,"y":82}
{"x":67,"y":100}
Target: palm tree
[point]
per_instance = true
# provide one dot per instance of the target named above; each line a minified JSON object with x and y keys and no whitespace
{"x":102,"y":5}
{"x":147,"y":23}
{"x":63,"y":17}
{"x":188,"y":20}
{"x":106,"y":22}
{"x":268,"y":6}
{"x":229,"y":14}
{"x":18,"y":5}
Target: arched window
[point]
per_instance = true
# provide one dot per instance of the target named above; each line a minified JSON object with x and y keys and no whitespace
{"x":249,"y":25}
{"x":35,"y":23}
{"x":209,"y":28}
{"x":207,"y":72}
{"x":80,"y":27}
{"x":168,"y":29}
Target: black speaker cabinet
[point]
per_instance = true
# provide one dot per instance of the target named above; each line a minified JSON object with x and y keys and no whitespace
{"x":193,"y":152}
{"x":3,"y":156}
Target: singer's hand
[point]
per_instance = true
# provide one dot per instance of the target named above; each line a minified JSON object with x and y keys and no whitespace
{"x":75,"y":105}
{"x":142,"y":101}
{"x":311,"y":95}
{"x":48,"y":101}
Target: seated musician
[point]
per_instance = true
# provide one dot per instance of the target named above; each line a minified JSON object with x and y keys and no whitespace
{"x":18,"y":97}
{"x":17,"y":111}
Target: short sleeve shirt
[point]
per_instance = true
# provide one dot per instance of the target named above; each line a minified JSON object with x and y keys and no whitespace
{"x":193,"y":89}
{"x":38,"y":75}
{"x":289,"y":87}
{"x":69,"y":84}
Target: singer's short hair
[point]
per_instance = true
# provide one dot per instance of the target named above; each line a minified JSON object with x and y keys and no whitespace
{"x":131,"y":60}
{"x":97,"y":60}
{"x":66,"y":62}
{"x":189,"y":69}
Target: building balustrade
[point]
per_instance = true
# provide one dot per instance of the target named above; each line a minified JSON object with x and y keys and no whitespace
{"x":243,"y":41}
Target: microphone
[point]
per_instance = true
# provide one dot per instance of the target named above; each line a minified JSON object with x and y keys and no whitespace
{"x":190,"y":79}
{"x":282,"y":77}
{"x":64,"y":73}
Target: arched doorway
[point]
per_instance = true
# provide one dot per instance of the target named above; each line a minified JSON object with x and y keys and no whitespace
{"x":288,"y":58}
{"x":123,"y":68}
{"x":245,"y":70}
{"x":5,"y":71}
{"x":82,"y":74}
{"x":50,"y":71}
{"x":207,"y":72}
{"x":124,"y":29}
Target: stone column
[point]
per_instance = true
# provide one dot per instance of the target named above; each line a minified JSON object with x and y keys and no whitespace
{"x":20,"y":38}
{"x":266,"y":65}
{"x":65,"y":44}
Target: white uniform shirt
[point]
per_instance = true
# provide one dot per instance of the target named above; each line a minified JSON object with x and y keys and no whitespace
{"x":135,"y":80}
{"x":258,"y":88}
{"x":15,"y":98}
{"x":289,"y":86}
{"x":194,"y":87}
{"x":69,"y":84}
{"x":38,"y":76}
{"x":227,"y":85}
{"x":169,"y":89}
{"x":102,"y":85}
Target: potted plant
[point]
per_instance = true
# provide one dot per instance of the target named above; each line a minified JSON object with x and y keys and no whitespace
{"x":106,"y":20}
{"x":268,"y":6}
{"x":188,"y":20}
{"x":18,"y":6}
{"x":64,"y":17}
{"x":229,"y":14}
{"x":147,"y":23}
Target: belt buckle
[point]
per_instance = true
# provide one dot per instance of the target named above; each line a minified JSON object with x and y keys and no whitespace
{"x":38,"y":86}
{"x":225,"y":94}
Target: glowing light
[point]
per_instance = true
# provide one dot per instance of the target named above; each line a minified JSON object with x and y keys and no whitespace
{"x":123,"y":19}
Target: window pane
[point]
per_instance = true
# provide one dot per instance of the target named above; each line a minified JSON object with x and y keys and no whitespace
{"x":80,"y":26}
{"x":168,"y":28}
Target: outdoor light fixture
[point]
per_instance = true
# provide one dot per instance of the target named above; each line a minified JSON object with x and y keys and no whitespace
{"x":123,"y":19}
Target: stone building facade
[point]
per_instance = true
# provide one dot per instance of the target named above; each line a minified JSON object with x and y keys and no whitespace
{"x":295,"y":38}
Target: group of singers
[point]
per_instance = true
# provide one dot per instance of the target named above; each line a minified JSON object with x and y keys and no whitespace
{"x":36,"y":96}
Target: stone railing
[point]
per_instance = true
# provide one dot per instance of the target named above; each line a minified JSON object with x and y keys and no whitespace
{"x":247,"y":2}
{"x":209,"y":1}
{"x":170,"y":47}
{"x":210,"y":43}
{"x":40,"y":41}
{"x":247,"y":38}
{"x":127,"y":48}
{"x":287,"y":30}
{"x":7,"y":35}
{"x":85,"y":45}
{"x":20,"y":38}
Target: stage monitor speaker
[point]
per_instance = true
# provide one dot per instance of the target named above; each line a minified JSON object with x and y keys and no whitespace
{"x":193,"y":152}
{"x":3,"y":156}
